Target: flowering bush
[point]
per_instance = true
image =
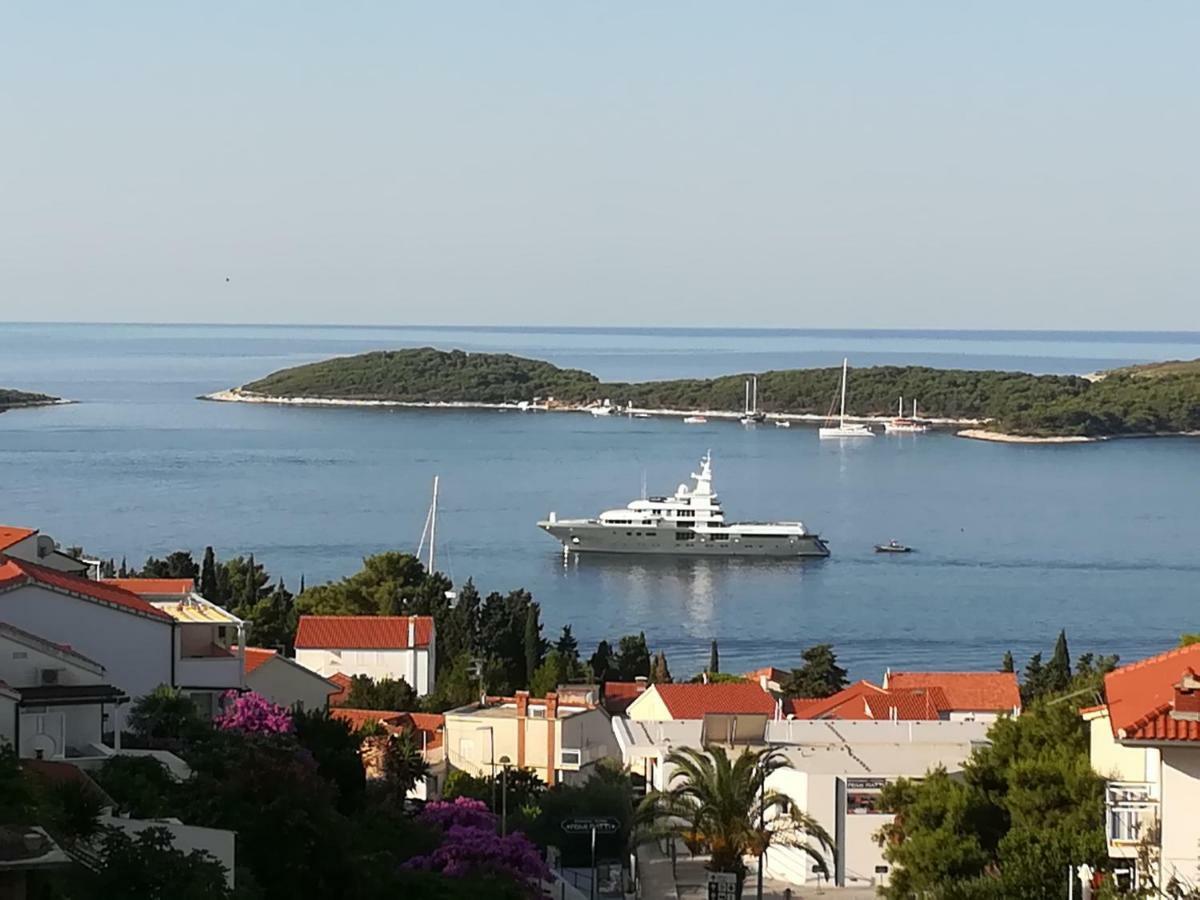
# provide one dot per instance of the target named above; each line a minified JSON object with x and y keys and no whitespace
{"x":476,"y":851}
{"x":460,"y":811}
{"x":253,"y":713}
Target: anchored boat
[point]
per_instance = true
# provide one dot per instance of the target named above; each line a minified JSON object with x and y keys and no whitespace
{"x":691,"y":522}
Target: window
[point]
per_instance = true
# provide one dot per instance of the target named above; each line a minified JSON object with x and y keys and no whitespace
{"x":466,"y":748}
{"x":571,"y":757}
{"x":861,"y":803}
{"x":685,"y":535}
{"x":20,"y":654}
{"x":719,"y":537}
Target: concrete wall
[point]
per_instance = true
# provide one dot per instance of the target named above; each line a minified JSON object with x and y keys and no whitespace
{"x":135,"y":650}
{"x":20,"y":665}
{"x":414,"y":666}
{"x":1181,"y":814}
{"x":8,"y":720}
{"x":1111,"y":760}
{"x":288,"y":683}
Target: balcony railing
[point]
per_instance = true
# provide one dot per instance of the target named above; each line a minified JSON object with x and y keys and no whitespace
{"x":1131,"y":813}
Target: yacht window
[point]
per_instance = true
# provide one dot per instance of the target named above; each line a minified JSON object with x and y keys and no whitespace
{"x":720,"y":537}
{"x":685,"y":535}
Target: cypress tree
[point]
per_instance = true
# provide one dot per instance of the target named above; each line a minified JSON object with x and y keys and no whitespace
{"x":714,"y":660}
{"x":659,"y":673}
{"x":601,"y":662}
{"x":301,"y":591}
{"x":250,"y":588}
{"x":1058,"y":670}
{"x":1006,"y":664}
{"x":566,"y":645}
{"x":533,"y":642}
{"x":208,"y":575}
{"x":123,"y":572}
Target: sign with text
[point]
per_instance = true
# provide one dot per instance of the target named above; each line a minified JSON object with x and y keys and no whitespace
{"x":722,"y":886}
{"x":588,"y":824}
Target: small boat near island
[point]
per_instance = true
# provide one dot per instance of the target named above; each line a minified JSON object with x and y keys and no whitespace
{"x":782,"y":423}
{"x":892,"y":547}
{"x":844,"y":429}
{"x":902,"y":425}
{"x":695,"y":420}
{"x":751,"y":415}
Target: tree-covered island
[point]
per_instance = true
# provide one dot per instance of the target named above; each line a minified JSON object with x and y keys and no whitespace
{"x":1162,"y":398}
{"x":10,"y":399}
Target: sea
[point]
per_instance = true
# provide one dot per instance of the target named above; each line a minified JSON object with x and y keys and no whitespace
{"x":1012,"y":543}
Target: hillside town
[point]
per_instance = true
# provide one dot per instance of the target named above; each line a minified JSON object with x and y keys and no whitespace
{"x":87,"y":660}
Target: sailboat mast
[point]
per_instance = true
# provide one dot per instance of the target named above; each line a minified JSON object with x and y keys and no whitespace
{"x":845,"y":363}
{"x":754,"y":400}
{"x":746,"y":404}
{"x":433,"y":525}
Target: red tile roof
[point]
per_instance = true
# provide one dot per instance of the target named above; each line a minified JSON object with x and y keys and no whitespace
{"x":17,"y":573}
{"x":342,"y":694}
{"x":965,"y":691}
{"x":256,"y":656}
{"x":153,"y":587}
{"x":11,"y":534}
{"x":361,"y":632}
{"x":427,"y":725}
{"x":617,"y":695}
{"x":1141,"y":697}
{"x":863,"y":700}
{"x":695,"y":701}
{"x":771,"y":672}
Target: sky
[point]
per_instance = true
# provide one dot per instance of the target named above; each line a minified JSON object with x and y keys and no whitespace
{"x":768,"y":164}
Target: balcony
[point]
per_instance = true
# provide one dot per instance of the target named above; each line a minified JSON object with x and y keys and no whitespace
{"x":216,"y":672}
{"x":1130,"y":816}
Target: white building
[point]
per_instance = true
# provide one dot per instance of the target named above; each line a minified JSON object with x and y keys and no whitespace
{"x":64,"y":704}
{"x":1145,"y":740}
{"x":183,"y":642}
{"x":396,"y":647}
{"x":838,"y":771}
{"x":284,"y":681}
{"x":29,"y":545}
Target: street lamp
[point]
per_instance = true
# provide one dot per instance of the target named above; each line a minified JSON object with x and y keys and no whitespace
{"x":504,"y":761}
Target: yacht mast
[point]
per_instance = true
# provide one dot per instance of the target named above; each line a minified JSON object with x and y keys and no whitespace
{"x":433,"y":525}
{"x":845,"y":363}
{"x":746,"y":405}
{"x":754,"y":396}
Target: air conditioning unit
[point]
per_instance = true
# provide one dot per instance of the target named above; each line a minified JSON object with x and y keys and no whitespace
{"x":49,"y":676}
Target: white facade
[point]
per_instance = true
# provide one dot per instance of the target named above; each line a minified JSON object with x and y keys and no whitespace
{"x":41,"y":549}
{"x":217,"y":842}
{"x":285,"y":682}
{"x":136,"y":650}
{"x":414,"y":666}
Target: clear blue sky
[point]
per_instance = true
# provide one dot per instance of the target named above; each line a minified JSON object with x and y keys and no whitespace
{"x":932,"y":164}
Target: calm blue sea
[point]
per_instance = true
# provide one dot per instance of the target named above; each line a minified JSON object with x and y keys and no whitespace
{"x":1014,"y":542}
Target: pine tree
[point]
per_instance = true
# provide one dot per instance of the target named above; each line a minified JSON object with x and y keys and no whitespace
{"x":1006,"y":664}
{"x":208,"y":575}
{"x":566,"y":645}
{"x":659,"y":673}
{"x":632,"y":658}
{"x":123,"y":572}
{"x":820,"y":676}
{"x":714,"y":659}
{"x":1058,"y":670}
{"x":250,"y":587}
{"x":1034,"y":683}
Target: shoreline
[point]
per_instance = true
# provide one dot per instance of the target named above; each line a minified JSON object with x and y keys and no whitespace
{"x":236,"y":395}
{"x":999,"y":437}
{"x":36,"y":404}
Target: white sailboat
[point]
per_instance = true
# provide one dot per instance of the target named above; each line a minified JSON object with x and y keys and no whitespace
{"x":902,"y":425}
{"x":751,"y":415}
{"x":845,"y":429}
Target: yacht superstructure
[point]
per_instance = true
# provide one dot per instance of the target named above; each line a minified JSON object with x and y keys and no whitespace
{"x":691,"y":522}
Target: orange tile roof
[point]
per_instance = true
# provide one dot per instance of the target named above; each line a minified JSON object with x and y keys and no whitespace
{"x":342,"y":694}
{"x":17,"y":573}
{"x":771,"y":672}
{"x":695,"y":701}
{"x":361,"y":632}
{"x":153,"y":587}
{"x":429,"y":725}
{"x":11,"y":534}
{"x":257,"y":656}
{"x":863,"y":700}
{"x":965,"y":691}
{"x":1140,"y":697}
{"x":617,"y":695}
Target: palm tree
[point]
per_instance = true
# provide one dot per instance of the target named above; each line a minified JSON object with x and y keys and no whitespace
{"x":720,"y":806}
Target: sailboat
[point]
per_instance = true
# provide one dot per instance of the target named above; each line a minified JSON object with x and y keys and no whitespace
{"x":430,"y":532}
{"x":751,"y":415}
{"x":902,"y":425}
{"x":845,"y":429}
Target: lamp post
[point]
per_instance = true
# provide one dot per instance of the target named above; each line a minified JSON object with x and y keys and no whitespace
{"x":762,"y":822}
{"x":504,"y":761}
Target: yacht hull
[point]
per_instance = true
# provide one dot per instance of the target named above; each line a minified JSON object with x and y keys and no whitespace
{"x":590,"y":537}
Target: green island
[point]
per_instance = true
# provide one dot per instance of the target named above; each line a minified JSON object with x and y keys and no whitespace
{"x":1154,"y":399}
{"x":10,"y":399}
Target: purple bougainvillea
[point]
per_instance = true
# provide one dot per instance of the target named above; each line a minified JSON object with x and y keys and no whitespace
{"x":460,"y":811}
{"x":253,"y":713}
{"x":471,"y":846}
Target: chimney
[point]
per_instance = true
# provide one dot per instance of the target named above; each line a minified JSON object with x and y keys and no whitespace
{"x":1187,"y":698}
{"x":551,"y":705}
{"x":412,"y":632}
{"x":522,"y":698}
{"x":642,"y":682}
{"x":764,"y":682}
